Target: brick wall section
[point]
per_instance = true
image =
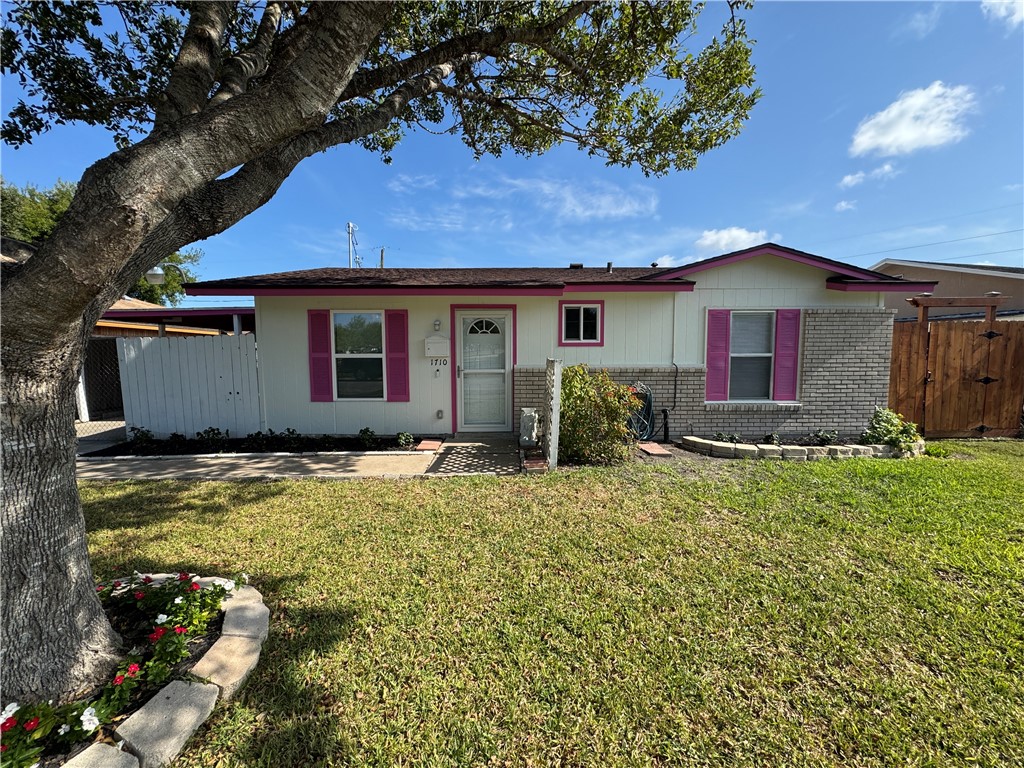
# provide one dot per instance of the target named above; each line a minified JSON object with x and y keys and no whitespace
{"x":844,"y":374}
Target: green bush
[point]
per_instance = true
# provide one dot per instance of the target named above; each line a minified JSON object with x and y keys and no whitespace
{"x":889,"y":428}
{"x":594,"y":411}
{"x":405,"y":440}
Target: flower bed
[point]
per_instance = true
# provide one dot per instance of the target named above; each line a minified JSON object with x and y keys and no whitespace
{"x":730,"y":450}
{"x":163,"y":621}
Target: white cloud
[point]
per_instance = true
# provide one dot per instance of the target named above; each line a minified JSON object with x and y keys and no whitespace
{"x":1011,"y":12}
{"x":730,"y":239}
{"x":926,"y":117}
{"x":451,"y":218}
{"x":403,"y":183}
{"x":881,"y":173}
{"x":922,"y":23}
{"x":571,"y":201}
{"x":852,"y":179}
{"x":845,"y":205}
{"x":1012,"y":187}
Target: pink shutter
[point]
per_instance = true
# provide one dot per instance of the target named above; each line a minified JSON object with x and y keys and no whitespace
{"x":321,"y":385}
{"x":787,"y":353}
{"x":396,"y":331}
{"x":717,"y":381}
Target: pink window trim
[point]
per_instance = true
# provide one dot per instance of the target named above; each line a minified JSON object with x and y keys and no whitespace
{"x":321,"y":356}
{"x":396,"y":375}
{"x":561,"y":319}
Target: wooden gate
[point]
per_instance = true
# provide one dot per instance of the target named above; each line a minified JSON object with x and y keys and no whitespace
{"x":959,"y":378}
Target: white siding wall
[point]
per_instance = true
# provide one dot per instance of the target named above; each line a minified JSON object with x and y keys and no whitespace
{"x":639,"y":329}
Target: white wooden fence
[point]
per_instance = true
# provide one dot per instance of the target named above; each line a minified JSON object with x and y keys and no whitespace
{"x":187,"y":384}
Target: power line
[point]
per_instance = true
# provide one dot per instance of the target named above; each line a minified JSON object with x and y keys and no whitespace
{"x":915,"y":224}
{"x":976,"y":255}
{"x":940,"y":242}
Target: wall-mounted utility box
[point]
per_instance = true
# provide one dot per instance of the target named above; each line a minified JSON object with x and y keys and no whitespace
{"x":437,"y":346}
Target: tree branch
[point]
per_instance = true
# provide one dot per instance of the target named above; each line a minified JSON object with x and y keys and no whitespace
{"x":195,"y":70}
{"x":243,"y":67}
{"x":365,"y":82}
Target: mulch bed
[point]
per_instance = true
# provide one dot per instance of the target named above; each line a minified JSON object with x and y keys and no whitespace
{"x":284,"y":444}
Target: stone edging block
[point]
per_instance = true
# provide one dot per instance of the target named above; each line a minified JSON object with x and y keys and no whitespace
{"x":724,"y":450}
{"x":228,"y":663}
{"x":103,"y":756}
{"x":158,"y":731}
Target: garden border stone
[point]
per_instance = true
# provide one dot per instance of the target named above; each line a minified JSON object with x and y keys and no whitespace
{"x":155,"y":734}
{"x":723,"y":450}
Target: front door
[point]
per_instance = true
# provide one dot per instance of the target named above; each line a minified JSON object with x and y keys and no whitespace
{"x":483,"y":371}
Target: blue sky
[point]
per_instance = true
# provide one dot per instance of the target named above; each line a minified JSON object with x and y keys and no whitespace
{"x":885,"y":130}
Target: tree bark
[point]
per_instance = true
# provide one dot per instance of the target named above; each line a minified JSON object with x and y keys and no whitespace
{"x":55,"y":635}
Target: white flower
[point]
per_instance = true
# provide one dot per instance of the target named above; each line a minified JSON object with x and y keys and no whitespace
{"x":161,"y":618}
{"x":89,"y":720}
{"x":177,"y":600}
{"x":63,"y":729}
{"x":245,"y":577}
{"x":10,"y":709}
{"x":229,"y":585}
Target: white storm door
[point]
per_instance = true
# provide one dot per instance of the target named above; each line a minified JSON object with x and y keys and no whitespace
{"x":483,"y":373}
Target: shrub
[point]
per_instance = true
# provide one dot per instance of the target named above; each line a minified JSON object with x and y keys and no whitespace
{"x":405,"y":439}
{"x":594,"y":414}
{"x":368,"y":438}
{"x":213,"y":438}
{"x":728,"y":437}
{"x":824,"y":436}
{"x":140,"y":436}
{"x":890,"y":428}
{"x":772,"y":438}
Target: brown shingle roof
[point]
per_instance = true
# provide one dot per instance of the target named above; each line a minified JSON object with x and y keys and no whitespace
{"x":484,"y":277}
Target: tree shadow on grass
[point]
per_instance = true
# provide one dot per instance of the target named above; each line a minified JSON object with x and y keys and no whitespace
{"x":137,"y":504}
{"x":286,"y":715}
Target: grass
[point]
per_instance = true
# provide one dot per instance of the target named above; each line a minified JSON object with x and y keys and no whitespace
{"x":857,"y":613}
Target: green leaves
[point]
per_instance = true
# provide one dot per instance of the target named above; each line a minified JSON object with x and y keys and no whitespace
{"x":593,"y":417}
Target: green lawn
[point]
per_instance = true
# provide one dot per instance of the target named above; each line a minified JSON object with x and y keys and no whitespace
{"x":856,"y":613}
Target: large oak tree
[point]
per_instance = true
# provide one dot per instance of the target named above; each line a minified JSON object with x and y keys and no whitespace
{"x":212,"y":105}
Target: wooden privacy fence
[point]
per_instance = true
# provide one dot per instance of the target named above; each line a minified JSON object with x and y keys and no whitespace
{"x":959,"y":378}
{"x":185,"y":385}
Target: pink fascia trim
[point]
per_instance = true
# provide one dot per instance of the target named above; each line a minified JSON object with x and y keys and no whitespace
{"x":141,"y":313}
{"x":700,"y":266}
{"x":525,"y":291}
{"x":561,"y":317}
{"x":880,"y":287}
{"x":455,"y":347}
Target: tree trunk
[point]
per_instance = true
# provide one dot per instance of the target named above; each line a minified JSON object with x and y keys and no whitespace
{"x":55,"y":635}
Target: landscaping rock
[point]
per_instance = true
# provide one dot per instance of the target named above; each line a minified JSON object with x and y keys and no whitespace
{"x":769,"y":451}
{"x":246,"y":619}
{"x":816,"y":452}
{"x":244,"y":594}
{"x":228,"y":663}
{"x":744,"y":451}
{"x":158,"y":731}
{"x":862,"y":450}
{"x":881,"y":450}
{"x":722,"y":450}
{"x":103,"y":756}
{"x":695,"y":444}
{"x":794,"y":453}
{"x":840,"y":451}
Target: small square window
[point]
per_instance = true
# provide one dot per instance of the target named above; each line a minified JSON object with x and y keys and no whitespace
{"x":582,"y":324}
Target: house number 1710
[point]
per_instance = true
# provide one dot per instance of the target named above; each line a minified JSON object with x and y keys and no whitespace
{"x":439,"y":361}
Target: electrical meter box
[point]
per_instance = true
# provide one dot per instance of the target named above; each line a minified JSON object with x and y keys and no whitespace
{"x":437,"y":346}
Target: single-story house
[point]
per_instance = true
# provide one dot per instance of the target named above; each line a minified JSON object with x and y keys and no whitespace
{"x":967,"y":280}
{"x":767,"y":339}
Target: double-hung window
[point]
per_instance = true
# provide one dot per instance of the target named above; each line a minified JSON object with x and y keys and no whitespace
{"x":359,"y":355}
{"x":581,"y":323}
{"x":753,"y":355}
{"x":751,"y":346}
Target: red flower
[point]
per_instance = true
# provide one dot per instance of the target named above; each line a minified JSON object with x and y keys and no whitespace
{"x":180,"y":630}
{"x":119,"y":679}
{"x":7,"y":724}
{"x":193,"y":587}
{"x":100,"y":588}
{"x":3,"y":747}
{"x":32,"y":724}
{"x":117,"y":585}
{"x":139,"y":595}
{"x":147,"y":579}
{"x":157,"y":634}
{"x":132,"y":670}
{"x":182,"y":576}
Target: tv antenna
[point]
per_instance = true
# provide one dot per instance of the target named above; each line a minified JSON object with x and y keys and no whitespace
{"x":353,"y":257}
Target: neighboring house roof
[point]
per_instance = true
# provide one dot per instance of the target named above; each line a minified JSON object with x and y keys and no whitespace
{"x":217,"y":318}
{"x":1016,"y":273}
{"x":536,"y":280}
{"x":127,"y":302}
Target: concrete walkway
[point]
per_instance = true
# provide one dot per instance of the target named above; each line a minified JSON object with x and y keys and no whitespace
{"x":485,"y":454}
